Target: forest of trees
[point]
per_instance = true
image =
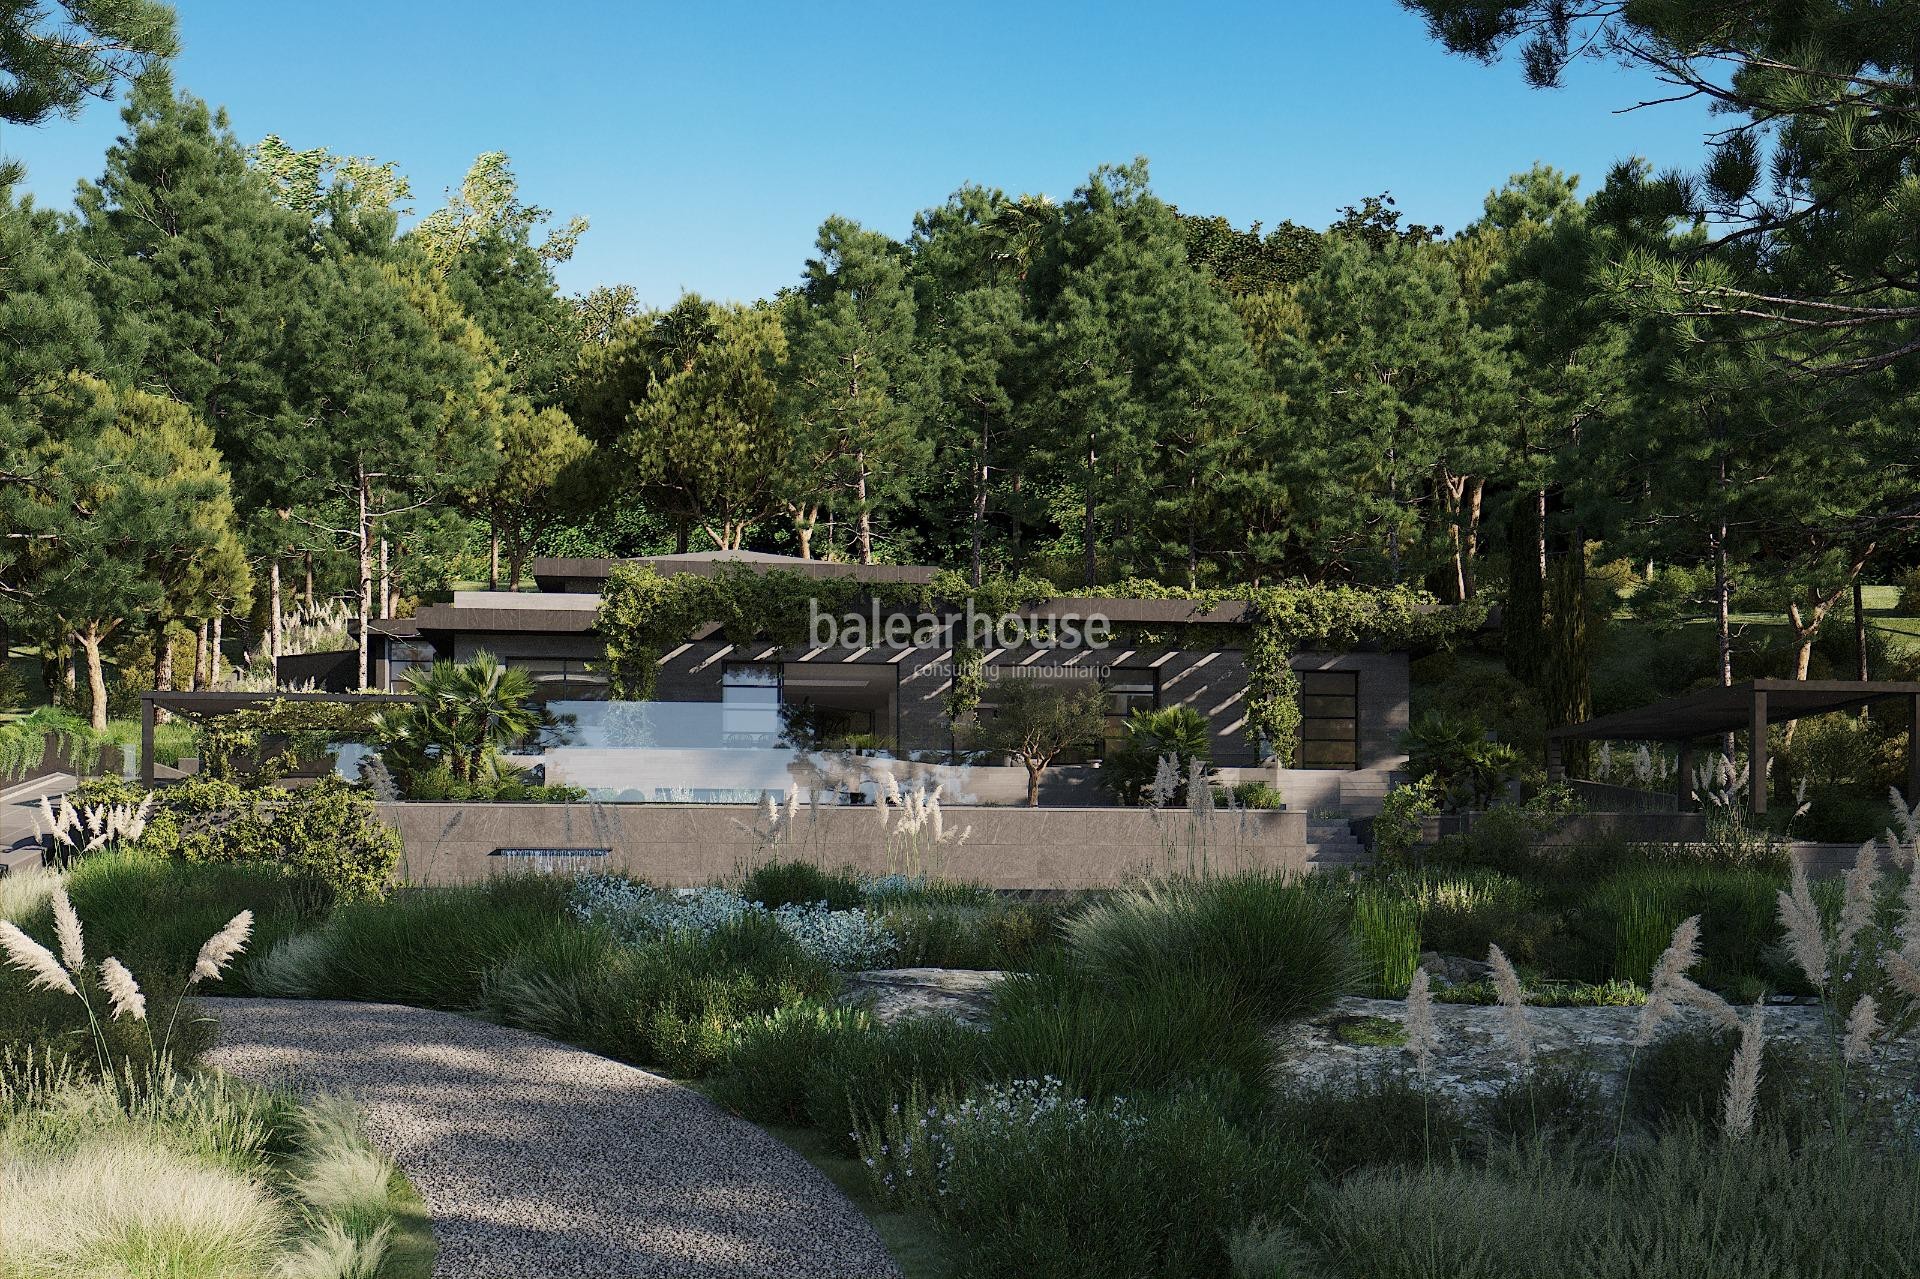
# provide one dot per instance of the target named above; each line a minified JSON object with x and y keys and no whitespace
{"x":229,"y":381}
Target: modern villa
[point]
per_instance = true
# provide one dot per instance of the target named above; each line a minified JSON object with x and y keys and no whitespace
{"x":727,"y":720}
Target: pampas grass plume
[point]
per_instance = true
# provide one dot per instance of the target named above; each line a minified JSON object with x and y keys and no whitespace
{"x":1419,"y":1019}
{"x":1743,"y":1078}
{"x":122,"y":990}
{"x":30,"y":957}
{"x":1506,"y":984}
{"x":1856,"y":907}
{"x":1863,"y":1023}
{"x":221,"y":948}
{"x":66,"y":929}
{"x":1805,"y":935}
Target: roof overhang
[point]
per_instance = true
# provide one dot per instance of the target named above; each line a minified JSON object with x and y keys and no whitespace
{"x":1730,"y":709}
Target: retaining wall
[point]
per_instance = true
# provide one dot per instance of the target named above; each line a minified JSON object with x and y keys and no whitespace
{"x":686,"y":845}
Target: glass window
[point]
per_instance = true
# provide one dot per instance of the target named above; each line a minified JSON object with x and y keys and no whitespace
{"x":403,"y":657}
{"x":562,"y":679}
{"x":1129,"y":690}
{"x":1329,"y":719}
{"x":750,"y":701}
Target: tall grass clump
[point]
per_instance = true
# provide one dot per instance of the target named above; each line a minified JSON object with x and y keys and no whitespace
{"x":1386,"y":930}
{"x":1738,"y":924}
{"x":114,"y":1207}
{"x":1152,"y":1035}
{"x":798,"y":883}
{"x":1688,"y":1205}
{"x":1281,"y":945}
{"x":429,"y":947}
{"x":154,"y":913}
{"x":1035,"y":1183}
{"x":162,"y":1173}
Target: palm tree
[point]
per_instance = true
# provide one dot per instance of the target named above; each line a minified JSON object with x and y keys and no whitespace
{"x":467,"y":711}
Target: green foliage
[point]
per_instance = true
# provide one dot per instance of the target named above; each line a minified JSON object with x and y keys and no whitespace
{"x":1257,"y":795}
{"x":1032,"y":1190}
{"x":1370,"y":1120}
{"x":327,"y":835}
{"x":798,"y":883}
{"x":1386,"y":927}
{"x":1183,"y":1025}
{"x":1470,"y":771}
{"x":1285,"y":619}
{"x":771,"y":1060}
{"x":990,"y":935}
{"x":429,"y":947}
{"x":1282,"y":946}
{"x":644,"y":613}
{"x":1738,"y":921}
{"x":1688,"y":1205}
{"x":1680,"y":1079}
{"x":258,"y":745}
{"x":24,"y":741}
{"x":1034,"y":721}
{"x":465,"y":713}
{"x":1396,"y":828}
{"x":1177,"y":732}
{"x":858,"y":1077}
{"x":1370,"y":1032}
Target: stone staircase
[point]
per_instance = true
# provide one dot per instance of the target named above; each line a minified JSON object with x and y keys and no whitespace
{"x":1331,"y":844}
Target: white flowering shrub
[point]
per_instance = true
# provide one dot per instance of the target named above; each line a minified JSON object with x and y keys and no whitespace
{"x":638,"y":914}
{"x":911,"y":1153}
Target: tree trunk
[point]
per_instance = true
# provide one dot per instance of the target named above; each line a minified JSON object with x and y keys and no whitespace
{"x":363,"y":588}
{"x":805,"y":519}
{"x":1033,"y":784}
{"x":1090,"y":559}
{"x":386,"y":581}
{"x":200,"y":655}
{"x":1859,"y":633}
{"x":89,"y":637}
{"x":309,"y":559}
{"x":213,"y":649}
{"x":1568,"y":676}
{"x":1476,"y":493}
{"x":274,"y":623}
{"x":681,"y":536}
{"x":1524,"y":615}
{"x":1453,"y":488}
{"x":493,"y":557}
{"x":865,"y":526}
{"x":978,"y":518}
{"x":162,"y":666}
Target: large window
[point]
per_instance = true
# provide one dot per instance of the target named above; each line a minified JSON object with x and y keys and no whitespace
{"x":404,"y":656}
{"x":1329,"y":719}
{"x":1129,"y":690}
{"x":750,"y":703}
{"x":562,"y":679}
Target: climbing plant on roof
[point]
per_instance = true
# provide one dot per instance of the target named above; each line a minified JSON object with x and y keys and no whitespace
{"x":644,"y":613}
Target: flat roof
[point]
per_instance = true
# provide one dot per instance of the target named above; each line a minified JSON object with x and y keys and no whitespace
{"x":1729,"y":709}
{"x":553,"y":573}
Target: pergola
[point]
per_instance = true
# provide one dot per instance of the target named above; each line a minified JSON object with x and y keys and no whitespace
{"x":1745,"y":707}
{"x":205,"y":705}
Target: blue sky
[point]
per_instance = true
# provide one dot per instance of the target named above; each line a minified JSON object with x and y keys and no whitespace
{"x":706,"y":142}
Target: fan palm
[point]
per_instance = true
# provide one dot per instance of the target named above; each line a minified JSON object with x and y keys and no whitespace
{"x":467,"y":711}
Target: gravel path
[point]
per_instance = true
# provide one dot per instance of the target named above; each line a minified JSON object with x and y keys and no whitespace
{"x":540,"y":1160}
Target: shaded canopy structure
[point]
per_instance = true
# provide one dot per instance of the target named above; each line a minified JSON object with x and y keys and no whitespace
{"x":208,"y":704}
{"x":1745,"y":707}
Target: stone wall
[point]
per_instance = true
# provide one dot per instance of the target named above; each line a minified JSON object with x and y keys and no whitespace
{"x":687,"y":845}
